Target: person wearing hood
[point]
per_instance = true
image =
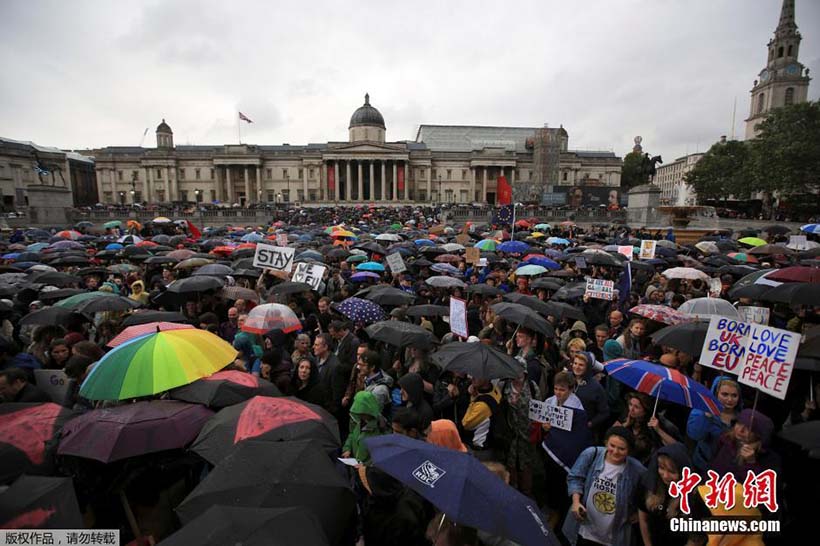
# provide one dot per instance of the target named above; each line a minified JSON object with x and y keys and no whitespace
{"x":655,"y":506}
{"x":412,"y":394}
{"x":614,"y":388}
{"x":374,"y":379}
{"x":392,"y":513}
{"x":578,"y":330}
{"x":138,"y":293}
{"x":365,"y":422}
{"x":746,"y":447}
{"x":589,"y":391}
{"x":705,"y":428}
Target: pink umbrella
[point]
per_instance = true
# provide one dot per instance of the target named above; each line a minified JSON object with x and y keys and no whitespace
{"x":69,"y":234}
{"x":271,"y":316}
{"x":144,"y":329}
{"x":660,"y":313}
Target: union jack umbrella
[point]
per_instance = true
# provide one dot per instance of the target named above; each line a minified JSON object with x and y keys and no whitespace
{"x":660,"y":313}
{"x":664,"y":383}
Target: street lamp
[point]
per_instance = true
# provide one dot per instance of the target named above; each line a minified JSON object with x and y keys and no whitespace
{"x":278,"y":199}
{"x":198,"y":199}
{"x":287,"y":182}
{"x":440,"y":199}
{"x":122,"y":198}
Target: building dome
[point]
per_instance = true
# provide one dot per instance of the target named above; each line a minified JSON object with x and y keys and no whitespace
{"x":366,"y":115}
{"x":164,"y":127}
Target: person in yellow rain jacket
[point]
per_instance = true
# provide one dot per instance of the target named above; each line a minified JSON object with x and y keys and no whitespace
{"x":477,"y":421}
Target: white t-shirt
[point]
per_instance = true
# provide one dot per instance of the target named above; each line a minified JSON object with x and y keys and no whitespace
{"x":600,"y":504}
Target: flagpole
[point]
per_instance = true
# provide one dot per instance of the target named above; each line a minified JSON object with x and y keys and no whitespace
{"x":238,"y":129}
{"x":512,"y":230}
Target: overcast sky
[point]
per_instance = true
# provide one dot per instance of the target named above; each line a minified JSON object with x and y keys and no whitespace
{"x":84,"y":74}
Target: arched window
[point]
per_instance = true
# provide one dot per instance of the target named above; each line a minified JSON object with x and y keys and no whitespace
{"x":779,"y":52}
{"x":789,"y":96}
{"x":761,"y":99}
{"x":790,"y":50}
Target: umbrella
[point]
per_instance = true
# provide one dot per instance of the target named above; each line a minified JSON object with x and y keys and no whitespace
{"x":752,"y":241}
{"x":798,"y":273}
{"x":523,"y":316}
{"x":483,"y":289}
{"x":277,"y":475}
{"x":265,"y":419}
{"x":234,"y":293}
{"x":72,"y":302}
{"x":685,"y":273}
{"x":440,"y":281}
{"x":664,"y":383}
{"x":155,"y":363}
{"x":530,"y":301}
{"x":146,"y":317}
{"x":108,"y":304}
{"x":477,"y":360}
{"x":130,"y":430}
{"x":370,"y":266}
{"x":792,"y":293}
{"x":392,"y":237}
{"x":561,"y":310}
{"x":252,"y":238}
{"x":810,"y":228}
{"x":777,"y":229}
{"x":55,"y":278}
{"x":129,"y":239}
{"x":225,"y":388}
{"x":513,"y":247}
{"x":192,"y":263}
{"x":462,"y":487}
{"x":707,"y":247}
{"x":132,"y":332}
{"x":428,"y":311}
{"x":742,"y":257}
{"x":161,"y":220}
{"x":27,"y":432}
{"x":220,"y":525}
{"x":542,"y":261}
{"x":687,"y":336}
{"x":446,"y":269}
{"x":557,"y":241}
{"x":401,"y":334}
{"x":703,"y":308}
{"x":213,"y":270}
{"x":529,"y":270}
{"x":360,"y":310}
{"x":448,"y":258}
{"x":290,"y":287}
{"x":48,"y":315}
{"x":40,"y":502}
{"x":193,"y":285}
{"x":570,"y":292}
{"x":660,"y":313}
{"x":364,"y":276}
{"x":386,"y":295}
{"x":752,"y":291}
{"x":59,"y":294}
{"x":488,"y":245}
{"x":424,"y":242}
{"x":453,"y":247}
{"x":771,"y":250}
{"x":806,"y":435}
{"x":69,"y":234}
{"x":547,"y":283}
{"x":181,"y":254}
{"x":271,"y":316}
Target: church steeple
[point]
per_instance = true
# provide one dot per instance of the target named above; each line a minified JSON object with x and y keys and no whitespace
{"x":786,"y":23}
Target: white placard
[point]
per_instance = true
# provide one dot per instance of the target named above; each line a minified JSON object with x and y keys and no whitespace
{"x":648,"y":250}
{"x":309,"y":273}
{"x":482,"y":262}
{"x":798,"y":242}
{"x":715,"y":288}
{"x":626,"y":251}
{"x":600,"y":289}
{"x":396,"y":263}
{"x":557,"y":416}
{"x":750,"y":313}
{"x":458,"y":317}
{"x":282,"y":239}
{"x":278,"y":258}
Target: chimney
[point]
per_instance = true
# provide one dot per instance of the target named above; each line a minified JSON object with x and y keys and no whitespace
{"x":723,"y":139}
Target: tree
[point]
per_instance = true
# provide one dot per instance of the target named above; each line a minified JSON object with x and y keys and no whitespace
{"x":632,"y":174}
{"x":785,"y":157}
{"x":721,"y":171}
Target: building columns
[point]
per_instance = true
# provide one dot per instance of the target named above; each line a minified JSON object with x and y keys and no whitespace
{"x":484,"y":185}
{"x":406,"y":181}
{"x":429,"y":184}
{"x":304,"y":184}
{"x":359,"y":182}
{"x":336,"y":181}
{"x":147,"y":190}
{"x":383,"y":195}
{"x":248,"y":198}
{"x":395,"y":194}
{"x":348,"y":183}
{"x":259,"y":183}
{"x":372,"y":182}
{"x":472,"y":185}
{"x":229,"y":184}
{"x":167,"y":186}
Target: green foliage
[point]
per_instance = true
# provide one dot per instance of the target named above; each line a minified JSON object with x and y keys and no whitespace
{"x":631,"y":174}
{"x":721,"y":172}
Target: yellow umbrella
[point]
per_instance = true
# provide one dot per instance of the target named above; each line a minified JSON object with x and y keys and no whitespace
{"x":752,"y":241}
{"x":342,"y":233}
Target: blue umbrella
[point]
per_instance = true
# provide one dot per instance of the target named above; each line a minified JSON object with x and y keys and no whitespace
{"x":557,"y":241}
{"x":461,"y":486}
{"x":447,"y":269}
{"x":552,"y":253}
{"x":810,"y":228}
{"x":114,"y":246}
{"x":370,"y":266}
{"x":36,"y":247}
{"x":364,"y":276}
{"x":513,"y":247}
{"x":530,"y":269}
{"x":11,"y":256}
{"x":361,"y":310}
{"x":543,"y":262}
{"x":310,"y":255}
{"x":424,"y":242}
{"x":252,"y":238}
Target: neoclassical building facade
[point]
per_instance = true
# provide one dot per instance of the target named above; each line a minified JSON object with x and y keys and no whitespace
{"x":445,"y":163}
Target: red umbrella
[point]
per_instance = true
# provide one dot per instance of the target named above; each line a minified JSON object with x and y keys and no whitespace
{"x":147,"y":244}
{"x":523,"y":224}
{"x":26,"y":433}
{"x":660,"y":313}
{"x":181,"y":254}
{"x":798,"y":273}
{"x":266,"y":419}
{"x":225,"y":388}
{"x":450,"y":258}
{"x":144,"y":329}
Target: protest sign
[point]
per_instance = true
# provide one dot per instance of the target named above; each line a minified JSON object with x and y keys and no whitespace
{"x":750,"y":313}
{"x":278,"y":258}
{"x":54,"y":383}
{"x":458,"y":317}
{"x":309,"y":273}
{"x":396,"y":263}
{"x":438,"y":229}
{"x":626,"y":251}
{"x":600,"y":289}
{"x":557,"y":416}
{"x":798,"y":242}
{"x":472,"y":255}
{"x":282,"y":239}
{"x":715,"y":288}
{"x":581,"y":262}
{"x":483,"y":262}
{"x":761,"y":356}
{"x":647,"y":250}
{"x":463,"y":239}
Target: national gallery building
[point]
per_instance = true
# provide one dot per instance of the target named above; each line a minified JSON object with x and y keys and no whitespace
{"x":445,"y":163}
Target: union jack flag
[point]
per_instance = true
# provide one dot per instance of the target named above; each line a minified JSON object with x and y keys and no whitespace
{"x":665,"y":383}
{"x":243,"y":117}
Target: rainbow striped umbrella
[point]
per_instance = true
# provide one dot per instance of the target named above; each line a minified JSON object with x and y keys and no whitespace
{"x":156,"y":363}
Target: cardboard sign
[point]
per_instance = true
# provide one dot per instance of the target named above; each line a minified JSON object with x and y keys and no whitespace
{"x":309,"y":273}
{"x":472,"y":255}
{"x":54,"y":383}
{"x":600,"y":289}
{"x":396,"y":263}
{"x":762,"y":357}
{"x":626,"y":251}
{"x":557,"y":416}
{"x":463,"y":239}
{"x":715,"y":288}
{"x":278,"y":258}
{"x":648,"y":250}
{"x":483,"y":262}
{"x":750,"y":313}
{"x":458,"y":317}
{"x":798,"y":242}
{"x":282,"y":239}
{"x":437,"y":229}
{"x":581,"y":262}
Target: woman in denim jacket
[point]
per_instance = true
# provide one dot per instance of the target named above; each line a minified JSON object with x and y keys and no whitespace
{"x":603,"y":484}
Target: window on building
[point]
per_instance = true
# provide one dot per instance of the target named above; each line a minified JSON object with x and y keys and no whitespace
{"x":761,"y":99}
{"x":565,"y":176}
{"x":159,"y":174}
{"x":197,"y":174}
{"x":300,"y":195}
{"x":463,"y":196}
{"x":182,"y":174}
{"x":312,"y":195}
{"x":301,"y":173}
{"x":310,"y":174}
{"x":268,"y":173}
{"x":286,"y":196}
{"x":137,"y":197}
{"x":779,"y":52}
{"x":284,"y":173}
{"x":790,"y":51}
{"x":212,"y":174}
{"x":270,"y":197}
{"x":108,"y":197}
{"x":449,"y":174}
{"x":183,"y":195}
{"x":213,"y":195}
{"x":464,"y":174}
{"x":789,"y":96}
{"x":529,"y":175}
{"x":119,"y":175}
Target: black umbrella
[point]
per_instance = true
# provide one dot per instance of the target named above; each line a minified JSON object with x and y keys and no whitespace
{"x":195,"y":284}
{"x":751,"y":291}
{"x":277,"y":475}
{"x":483,"y":289}
{"x":102,"y":305}
{"x":569,"y":292}
{"x":421,"y":262}
{"x":478,"y":360}
{"x":687,"y":337}
{"x":561,"y":310}
{"x":371,"y":246}
{"x":530,"y":301}
{"x":523,"y":316}
{"x":386,"y":295}
{"x":338,"y":254}
{"x":220,"y":525}
{"x":213,"y":270}
{"x":70,"y":260}
{"x":158,"y":260}
{"x":40,"y":502}
{"x":225,"y":388}
{"x":55,"y":278}
{"x":144,"y":317}
{"x":428,"y":311}
{"x":547,"y":283}
{"x":29,"y":257}
{"x":401,"y":334}
{"x":62,"y":293}
{"x":291,"y":288}
{"x":49,"y":315}
{"x":806,"y":435}
{"x":795,"y":293}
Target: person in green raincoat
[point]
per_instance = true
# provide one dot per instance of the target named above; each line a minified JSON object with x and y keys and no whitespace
{"x":366,"y":421}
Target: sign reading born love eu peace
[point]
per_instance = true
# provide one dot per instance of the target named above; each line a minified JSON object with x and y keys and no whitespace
{"x":762,"y":357}
{"x":278,"y":258}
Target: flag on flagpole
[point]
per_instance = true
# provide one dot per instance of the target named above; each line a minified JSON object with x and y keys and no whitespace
{"x":243,"y":117}
{"x":504,"y":191}
{"x":624,"y":288}
{"x":503,"y":215}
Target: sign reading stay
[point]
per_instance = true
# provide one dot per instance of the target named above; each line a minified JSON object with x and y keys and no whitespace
{"x":278,"y":258}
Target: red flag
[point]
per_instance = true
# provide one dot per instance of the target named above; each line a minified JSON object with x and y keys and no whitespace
{"x":194,"y":231}
{"x":331,"y":178}
{"x":401,"y":179}
{"x":243,"y":117}
{"x":504,"y":191}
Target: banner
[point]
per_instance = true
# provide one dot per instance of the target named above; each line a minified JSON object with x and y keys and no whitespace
{"x":396,"y":263}
{"x":750,"y":313}
{"x":715,"y":288}
{"x":600,"y":289}
{"x":331,"y":179}
{"x":798,"y":242}
{"x":309,"y":273}
{"x":458,"y":317}
{"x":564,"y":446}
{"x":504,"y":191}
{"x":557,"y":416}
{"x":581,"y":262}
{"x":626,"y":251}
{"x":472,"y":255}
{"x":647,"y":250}
{"x":762,"y":357}
{"x":400,"y":179}
{"x":278,"y":258}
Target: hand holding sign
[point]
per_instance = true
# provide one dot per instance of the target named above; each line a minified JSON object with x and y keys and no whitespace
{"x":277,"y":258}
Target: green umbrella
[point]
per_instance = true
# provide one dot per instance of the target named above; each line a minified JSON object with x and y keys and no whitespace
{"x":357,"y":258}
{"x":395,"y":226}
{"x":112,"y":224}
{"x":76,"y":300}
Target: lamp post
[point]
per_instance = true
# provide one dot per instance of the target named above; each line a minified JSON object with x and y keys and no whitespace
{"x":198,"y":199}
{"x":278,"y":200}
{"x":440,"y":198}
{"x":287,"y":183}
{"x":122,"y":198}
